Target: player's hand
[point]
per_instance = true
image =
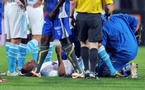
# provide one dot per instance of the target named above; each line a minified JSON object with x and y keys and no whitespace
{"x":37,"y":4}
{"x":51,"y":15}
{"x":23,"y":6}
{"x":108,"y":10}
{"x":72,"y":22}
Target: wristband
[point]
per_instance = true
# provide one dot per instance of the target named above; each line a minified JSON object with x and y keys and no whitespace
{"x":71,"y":16}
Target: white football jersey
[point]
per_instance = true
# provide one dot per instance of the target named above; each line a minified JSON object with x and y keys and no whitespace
{"x":49,"y":66}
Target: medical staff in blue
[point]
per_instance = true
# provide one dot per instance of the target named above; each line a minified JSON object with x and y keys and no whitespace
{"x":120,"y":43}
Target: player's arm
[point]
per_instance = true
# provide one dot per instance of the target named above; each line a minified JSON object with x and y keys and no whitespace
{"x":5,"y":1}
{"x":38,"y":3}
{"x":56,"y":8}
{"x":133,"y":22}
{"x":61,"y":68}
{"x":72,"y":9}
{"x":108,"y":7}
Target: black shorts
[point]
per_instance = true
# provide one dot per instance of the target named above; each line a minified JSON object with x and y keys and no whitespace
{"x":89,"y":26}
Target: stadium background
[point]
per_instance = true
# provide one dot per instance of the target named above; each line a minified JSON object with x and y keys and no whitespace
{"x":133,"y":7}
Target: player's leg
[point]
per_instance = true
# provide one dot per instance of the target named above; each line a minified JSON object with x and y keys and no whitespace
{"x":85,"y":56}
{"x":105,"y":57}
{"x":94,"y":36}
{"x":62,"y":34}
{"x":22,"y":53}
{"x":32,"y":46}
{"x":14,"y":33}
{"x":12,"y":57}
{"x":53,"y":44}
{"x":49,"y":55}
{"x":74,"y":39}
{"x":45,"y":41}
{"x":69,"y":48}
{"x":36,"y":19}
{"x":61,"y":68}
{"x":23,"y":35}
{"x":102,"y":70}
{"x":83,"y":36}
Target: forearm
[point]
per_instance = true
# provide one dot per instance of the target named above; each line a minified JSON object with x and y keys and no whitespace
{"x":59,"y":4}
{"x":5,"y":1}
{"x":72,"y":7}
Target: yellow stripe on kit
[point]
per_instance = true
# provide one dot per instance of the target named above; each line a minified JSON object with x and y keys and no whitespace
{"x":39,"y":57}
{"x":70,"y":54}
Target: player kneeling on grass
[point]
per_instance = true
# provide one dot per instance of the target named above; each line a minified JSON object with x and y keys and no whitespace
{"x":120,"y":43}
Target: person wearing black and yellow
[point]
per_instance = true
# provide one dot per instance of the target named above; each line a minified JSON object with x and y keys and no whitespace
{"x":89,"y":24}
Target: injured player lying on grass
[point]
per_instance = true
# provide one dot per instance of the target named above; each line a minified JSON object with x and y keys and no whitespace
{"x":50,"y":69}
{"x":63,"y":68}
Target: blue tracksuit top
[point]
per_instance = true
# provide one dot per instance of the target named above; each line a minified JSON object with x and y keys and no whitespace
{"x":119,"y":38}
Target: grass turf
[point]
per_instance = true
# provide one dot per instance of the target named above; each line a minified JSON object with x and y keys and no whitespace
{"x":61,"y":83}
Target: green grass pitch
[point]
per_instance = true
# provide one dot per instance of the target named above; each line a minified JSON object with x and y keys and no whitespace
{"x":61,"y":83}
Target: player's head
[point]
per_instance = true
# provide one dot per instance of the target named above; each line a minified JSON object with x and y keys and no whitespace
{"x":29,"y":66}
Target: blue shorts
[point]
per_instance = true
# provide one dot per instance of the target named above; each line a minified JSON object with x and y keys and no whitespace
{"x":58,"y":28}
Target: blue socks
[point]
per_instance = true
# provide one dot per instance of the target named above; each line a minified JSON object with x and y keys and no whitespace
{"x":105,"y":57}
{"x":32,"y":46}
{"x":21,"y":55}
{"x":7,"y":47}
{"x":12,"y":57}
{"x":49,"y":54}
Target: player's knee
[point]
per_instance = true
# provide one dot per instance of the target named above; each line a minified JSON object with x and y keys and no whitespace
{"x":45,"y":41}
{"x":64,"y":41}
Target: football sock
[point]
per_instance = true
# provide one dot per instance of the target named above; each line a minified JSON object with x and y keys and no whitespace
{"x":21,"y":55}
{"x":81,"y":64}
{"x":41,"y":57}
{"x":32,"y":46}
{"x":12,"y":57}
{"x":72,"y":57}
{"x":93,"y":59}
{"x":85,"y":57}
{"x":49,"y":55}
{"x":105,"y":57}
{"x":7,"y":47}
{"x":7,"y":51}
